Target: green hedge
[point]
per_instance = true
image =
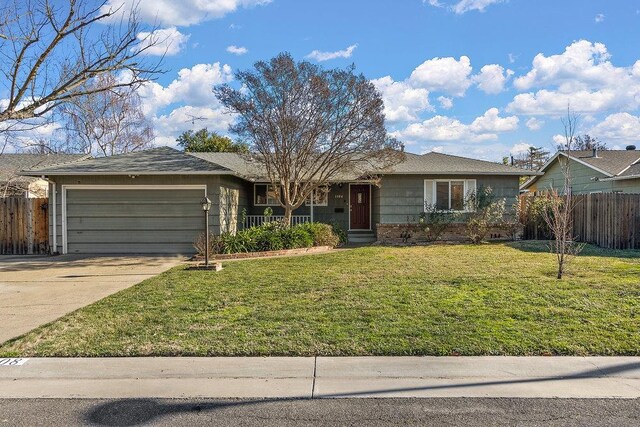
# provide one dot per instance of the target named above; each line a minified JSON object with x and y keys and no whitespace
{"x":272,"y":236}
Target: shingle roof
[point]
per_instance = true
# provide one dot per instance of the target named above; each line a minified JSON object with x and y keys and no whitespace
{"x":615,"y":164}
{"x":11,"y":164}
{"x":447,"y":164}
{"x":612,"y":162}
{"x":156,"y":161}
{"x":167,"y":160}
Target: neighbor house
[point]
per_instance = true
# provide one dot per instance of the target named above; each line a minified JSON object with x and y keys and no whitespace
{"x":149,"y":201}
{"x":591,"y":171}
{"x":13,"y":184}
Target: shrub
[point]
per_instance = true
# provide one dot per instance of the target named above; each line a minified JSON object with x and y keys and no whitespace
{"x":296,"y":237}
{"x":215,"y":244}
{"x":435,"y":221}
{"x":321,"y":234}
{"x":340,"y":232}
{"x":485,"y":212}
{"x":236,"y":243}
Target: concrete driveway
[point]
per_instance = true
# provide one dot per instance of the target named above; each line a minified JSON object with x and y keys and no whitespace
{"x":38,"y":290}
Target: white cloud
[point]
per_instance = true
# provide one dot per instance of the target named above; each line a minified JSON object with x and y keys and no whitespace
{"x":599,"y":18}
{"x":534,"y":124}
{"x":463,"y":6}
{"x":442,"y":128}
{"x":187,"y":102}
{"x":492,"y":78}
{"x":491,"y":122}
{"x":620,"y":127}
{"x":446,"y":75}
{"x":165,"y":41}
{"x":180,"y":13}
{"x":445,"y":102}
{"x":582,"y":76}
{"x":237,"y":50}
{"x":520,"y":148}
{"x":325,"y":56}
{"x":512,"y":58}
{"x":401,"y":101}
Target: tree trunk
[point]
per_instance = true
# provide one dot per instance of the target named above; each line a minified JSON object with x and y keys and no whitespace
{"x":287,"y":215}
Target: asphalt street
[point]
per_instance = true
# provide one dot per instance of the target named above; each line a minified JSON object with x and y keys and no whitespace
{"x":325,"y":412}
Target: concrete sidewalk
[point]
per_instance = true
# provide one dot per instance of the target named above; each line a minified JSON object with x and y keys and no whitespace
{"x":323,"y":377}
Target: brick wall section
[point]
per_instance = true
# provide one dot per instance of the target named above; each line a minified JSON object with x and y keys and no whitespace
{"x":393,"y":234}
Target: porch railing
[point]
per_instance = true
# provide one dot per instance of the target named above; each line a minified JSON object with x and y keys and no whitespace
{"x":257,"y":220}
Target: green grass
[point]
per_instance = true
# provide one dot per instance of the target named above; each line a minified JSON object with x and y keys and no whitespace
{"x":496,"y":299}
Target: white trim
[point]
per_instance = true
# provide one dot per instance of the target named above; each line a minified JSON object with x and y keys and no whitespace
{"x":114,"y":187}
{"x":54,"y":172}
{"x":54,"y":219}
{"x":370,"y":203}
{"x":620,"y":178}
{"x":435,"y":193}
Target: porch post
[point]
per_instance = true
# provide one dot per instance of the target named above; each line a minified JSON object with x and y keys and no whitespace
{"x":311,"y":205}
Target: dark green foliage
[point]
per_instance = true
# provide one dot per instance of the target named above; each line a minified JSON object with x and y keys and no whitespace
{"x":274,"y":236}
{"x":204,"y":141}
{"x":322,"y":234}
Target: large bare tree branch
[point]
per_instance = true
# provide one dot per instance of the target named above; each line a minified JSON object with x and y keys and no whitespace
{"x":51,"y":51}
{"x":307,"y":125}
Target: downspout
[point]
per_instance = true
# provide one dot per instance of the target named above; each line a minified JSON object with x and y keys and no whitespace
{"x":312,"y":196}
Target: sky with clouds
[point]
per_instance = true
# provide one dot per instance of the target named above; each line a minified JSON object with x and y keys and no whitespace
{"x":480,"y":78}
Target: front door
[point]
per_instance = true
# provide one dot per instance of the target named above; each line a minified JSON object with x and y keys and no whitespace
{"x":360,"y":207}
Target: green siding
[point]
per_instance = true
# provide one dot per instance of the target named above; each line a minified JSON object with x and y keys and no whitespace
{"x":582,"y":181}
{"x":631,"y":186}
{"x":401,"y":197}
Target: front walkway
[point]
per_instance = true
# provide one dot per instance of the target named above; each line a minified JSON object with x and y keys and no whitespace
{"x":323,"y":377}
{"x":38,"y":290}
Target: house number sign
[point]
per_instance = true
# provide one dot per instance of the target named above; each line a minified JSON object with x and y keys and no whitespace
{"x":12,"y":361}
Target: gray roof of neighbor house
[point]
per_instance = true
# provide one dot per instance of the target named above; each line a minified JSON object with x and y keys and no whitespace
{"x":166,"y":160}
{"x":615,"y":164}
{"x":11,"y":164}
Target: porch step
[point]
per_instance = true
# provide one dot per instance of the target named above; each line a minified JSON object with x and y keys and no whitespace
{"x":361,"y":237}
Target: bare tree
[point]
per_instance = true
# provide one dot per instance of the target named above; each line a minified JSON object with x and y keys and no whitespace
{"x":104,"y":123}
{"x":307,"y":125}
{"x":50,"y":51}
{"x":559,"y":213}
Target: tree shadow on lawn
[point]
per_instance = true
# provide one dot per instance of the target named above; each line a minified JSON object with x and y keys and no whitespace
{"x":132,"y":412}
{"x":543,"y":246}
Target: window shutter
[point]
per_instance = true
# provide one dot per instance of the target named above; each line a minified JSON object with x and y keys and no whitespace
{"x":428,"y":192}
{"x":469,"y":189}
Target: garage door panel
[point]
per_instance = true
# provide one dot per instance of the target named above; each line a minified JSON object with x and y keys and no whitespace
{"x":126,"y":209}
{"x":133,"y":220}
{"x":131,"y":248}
{"x":148,"y":224}
{"x":135,"y":195}
{"x":114,"y":236}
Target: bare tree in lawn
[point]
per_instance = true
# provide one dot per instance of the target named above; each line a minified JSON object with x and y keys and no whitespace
{"x":104,"y":123}
{"x":559,"y":213}
{"x":307,"y":125}
{"x":51,"y":50}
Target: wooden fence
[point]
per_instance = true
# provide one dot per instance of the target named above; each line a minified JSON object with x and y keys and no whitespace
{"x":609,"y":220}
{"x":24,"y":226}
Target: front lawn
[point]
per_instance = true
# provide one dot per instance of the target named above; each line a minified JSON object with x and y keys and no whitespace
{"x":497,"y":299}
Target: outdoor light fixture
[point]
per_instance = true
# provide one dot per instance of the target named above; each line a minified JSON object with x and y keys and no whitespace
{"x":206,"y":206}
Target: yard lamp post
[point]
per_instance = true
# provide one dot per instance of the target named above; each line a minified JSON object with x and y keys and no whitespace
{"x":206,"y":206}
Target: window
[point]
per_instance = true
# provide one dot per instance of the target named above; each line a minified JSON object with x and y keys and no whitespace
{"x":266,"y":195}
{"x":320,"y":196}
{"x":448,"y":195}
